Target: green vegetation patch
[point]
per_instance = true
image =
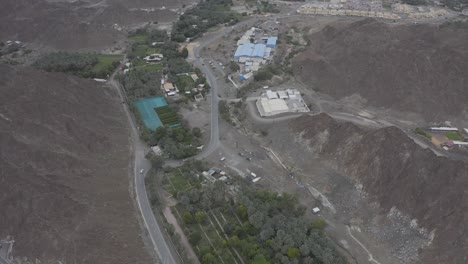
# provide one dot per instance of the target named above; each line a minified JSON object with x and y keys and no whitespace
{"x":423,"y":133}
{"x":205,"y":15}
{"x":80,"y":64}
{"x":168,"y":116}
{"x":178,"y":182}
{"x":260,"y":226}
{"x":140,"y":38}
{"x":267,"y":73}
{"x":140,"y":50}
{"x":153,"y":67}
{"x":107,"y":62}
{"x":177,"y":142}
{"x":414,"y":2}
{"x":185,"y":83}
{"x":140,"y":83}
{"x":224,"y":111}
{"x":454,"y":136}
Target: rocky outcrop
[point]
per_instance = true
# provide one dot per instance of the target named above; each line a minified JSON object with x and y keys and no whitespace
{"x":409,"y":68}
{"x":396,"y":172}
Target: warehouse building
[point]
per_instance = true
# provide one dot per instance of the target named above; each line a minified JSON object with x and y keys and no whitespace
{"x":269,"y":107}
{"x":286,"y":101}
{"x":249,"y":51}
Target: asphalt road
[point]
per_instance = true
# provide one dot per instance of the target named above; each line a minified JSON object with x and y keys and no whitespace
{"x":154,"y":231}
{"x":160,"y":245}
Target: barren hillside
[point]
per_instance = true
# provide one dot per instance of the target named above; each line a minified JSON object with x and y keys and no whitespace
{"x":396,"y":172}
{"x":75,"y":25}
{"x":64,"y":159}
{"x":415,"y":68}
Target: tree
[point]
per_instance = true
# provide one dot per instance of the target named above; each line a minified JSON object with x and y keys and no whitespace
{"x":293,"y":253}
{"x":200,"y":217}
{"x":188,"y":218}
{"x":318,"y":224}
{"x":260,"y":259}
{"x":195,"y":237}
{"x":184,"y":53}
{"x":234,"y":241}
{"x":242,"y":212}
{"x":156,"y":161}
{"x":196,"y":132}
{"x":208,"y":258}
{"x":234,"y":66}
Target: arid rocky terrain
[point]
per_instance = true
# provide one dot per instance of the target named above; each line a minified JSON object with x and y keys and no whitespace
{"x":410,"y":68}
{"x":396,"y":174}
{"x":64,"y":162}
{"x":72,"y":25}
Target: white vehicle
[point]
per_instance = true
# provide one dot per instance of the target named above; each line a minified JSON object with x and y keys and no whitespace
{"x":223,"y":159}
{"x":253,"y":175}
{"x":256,"y":179}
{"x":220,"y":64}
{"x":315,"y":210}
{"x":141,"y":171}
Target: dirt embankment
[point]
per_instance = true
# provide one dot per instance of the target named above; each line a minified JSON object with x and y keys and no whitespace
{"x":80,"y":25}
{"x":64,"y":177}
{"x":396,"y":172}
{"x":409,"y":68}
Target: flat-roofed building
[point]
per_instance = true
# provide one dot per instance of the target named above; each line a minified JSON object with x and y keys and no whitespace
{"x":283,"y":101}
{"x":269,"y":107}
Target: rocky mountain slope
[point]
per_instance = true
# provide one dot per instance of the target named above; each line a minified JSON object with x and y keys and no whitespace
{"x":71,"y":25}
{"x":410,"y":68}
{"x":64,"y":162}
{"x":396,"y":172}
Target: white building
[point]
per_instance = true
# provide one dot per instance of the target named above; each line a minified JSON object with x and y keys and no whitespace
{"x":274,"y":103}
{"x":444,"y":129}
{"x":269,"y":107}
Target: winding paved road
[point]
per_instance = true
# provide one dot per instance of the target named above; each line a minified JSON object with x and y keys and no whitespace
{"x":154,"y":231}
{"x":160,"y":245}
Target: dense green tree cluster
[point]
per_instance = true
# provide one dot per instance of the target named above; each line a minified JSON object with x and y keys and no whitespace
{"x":177,"y":142}
{"x":194,"y":22}
{"x":273,"y":229}
{"x":266,"y":73}
{"x":280,"y":231}
{"x":139,"y":83}
{"x":267,"y":7}
{"x":73,"y":63}
{"x":415,"y":2}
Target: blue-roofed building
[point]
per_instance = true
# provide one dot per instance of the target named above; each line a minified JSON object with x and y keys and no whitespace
{"x":244,"y":50}
{"x":259,"y":51}
{"x":271,"y":42}
{"x":250,"y":51}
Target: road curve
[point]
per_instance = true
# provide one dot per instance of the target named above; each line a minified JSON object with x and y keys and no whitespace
{"x":154,"y":231}
{"x":160,"y":245}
